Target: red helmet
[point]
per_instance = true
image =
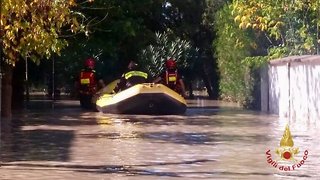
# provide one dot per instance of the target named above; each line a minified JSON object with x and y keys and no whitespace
{"x":171,"y":64}
{"x":89,"y":63}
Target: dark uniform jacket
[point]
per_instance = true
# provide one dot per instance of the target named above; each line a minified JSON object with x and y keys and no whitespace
{"x":131,"y":78}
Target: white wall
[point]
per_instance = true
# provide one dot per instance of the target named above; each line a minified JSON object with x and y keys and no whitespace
{"x":293,"y":88}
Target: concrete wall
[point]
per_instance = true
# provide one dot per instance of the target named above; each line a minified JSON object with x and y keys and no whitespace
{"x":290,"y":87}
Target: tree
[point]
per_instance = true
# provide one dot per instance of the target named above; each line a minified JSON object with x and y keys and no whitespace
{"x":30,"y":30}
{"x":257,"y":30}
{"x":167,"y":46}
{"x":235,"y":42}
{"x":290,"y":24}
{"x":116,"y":31}
{"x":190,"y":20}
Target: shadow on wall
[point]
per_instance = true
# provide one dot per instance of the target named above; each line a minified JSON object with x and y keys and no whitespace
{"x":278,"y":90}
{"x":254,"y":101}
{"x":314,"y":91}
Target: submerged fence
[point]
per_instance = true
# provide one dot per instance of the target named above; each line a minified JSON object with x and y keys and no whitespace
{"x":290,"y":87}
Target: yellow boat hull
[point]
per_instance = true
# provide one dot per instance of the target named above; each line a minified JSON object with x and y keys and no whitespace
{"x":143,"y":99}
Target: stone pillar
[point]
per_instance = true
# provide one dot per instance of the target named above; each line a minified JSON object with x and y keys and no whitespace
{"x":264,"y":88}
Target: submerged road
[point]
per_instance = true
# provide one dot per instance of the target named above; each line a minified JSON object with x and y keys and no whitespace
{"x":213,"y":140}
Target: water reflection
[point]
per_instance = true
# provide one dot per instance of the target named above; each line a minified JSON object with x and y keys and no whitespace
{"x":213,"y":142}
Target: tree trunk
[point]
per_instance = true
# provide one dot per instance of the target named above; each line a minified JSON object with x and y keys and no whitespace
{"x":191,"y":95}
{"x":210,"y":76}
{"x":18,"y":85}
{"x":6,"y":95}
{"x":206,"y":68}
{"x":208,"y":85}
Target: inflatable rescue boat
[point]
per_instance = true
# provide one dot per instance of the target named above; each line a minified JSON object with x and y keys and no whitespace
{"x":145,"y":98}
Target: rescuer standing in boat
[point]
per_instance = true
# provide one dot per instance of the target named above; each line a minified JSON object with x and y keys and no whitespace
{"x":171,"y":78}
{"x":132,"y":77}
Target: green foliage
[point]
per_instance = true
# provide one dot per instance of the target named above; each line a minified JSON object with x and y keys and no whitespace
{"x":290,"y":28}
{"x":277,"y":52}
{"x":292,"y":24}
{"x":166,"y":46}
{"x":115,"y":31}
{"x":230,"y":51}
{"x":211,"y":8}
{"x":255,"y":62}
{"x":236,"y":66}
{"x":31,"y":29}
{"x":120,"y":25}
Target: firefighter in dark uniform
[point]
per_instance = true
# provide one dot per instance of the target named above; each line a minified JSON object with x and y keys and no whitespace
{"x":132,"y":77}
{"x":171,"y":78}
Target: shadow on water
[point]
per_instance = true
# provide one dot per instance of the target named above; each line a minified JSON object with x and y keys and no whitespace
{"x":134,"y":170}
{"x":119,"y":169}
{"x":187,"y":138}
{"x":195,"y":117}
{"x":57,"y":120}
{"x":202,"y":138}
{"x":20,"y":144}
{"x":234,"y":119}
{"x":36,"y":145}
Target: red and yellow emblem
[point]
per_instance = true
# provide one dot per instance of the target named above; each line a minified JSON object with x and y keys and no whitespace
{"x":286,"y":151}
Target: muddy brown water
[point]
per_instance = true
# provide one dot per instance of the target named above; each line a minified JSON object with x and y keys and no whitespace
{"x":213,"y":140}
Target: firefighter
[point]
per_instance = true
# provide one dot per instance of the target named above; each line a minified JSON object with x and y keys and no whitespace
{"x":171,"y":78}
{"x":88,"y":84}
{"x":132,"y":77}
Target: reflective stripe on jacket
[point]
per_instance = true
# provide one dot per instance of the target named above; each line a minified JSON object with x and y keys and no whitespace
{"x":171,"y":78}
{"x":87,"y":78}
{"x":87,"y":82}
{"x":135,"y":73}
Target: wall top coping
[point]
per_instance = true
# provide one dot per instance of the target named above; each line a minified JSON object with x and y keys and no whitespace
{"x":296,"y":59}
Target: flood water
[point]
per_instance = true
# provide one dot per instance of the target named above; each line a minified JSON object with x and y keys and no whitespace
{"x":213,"y":140}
